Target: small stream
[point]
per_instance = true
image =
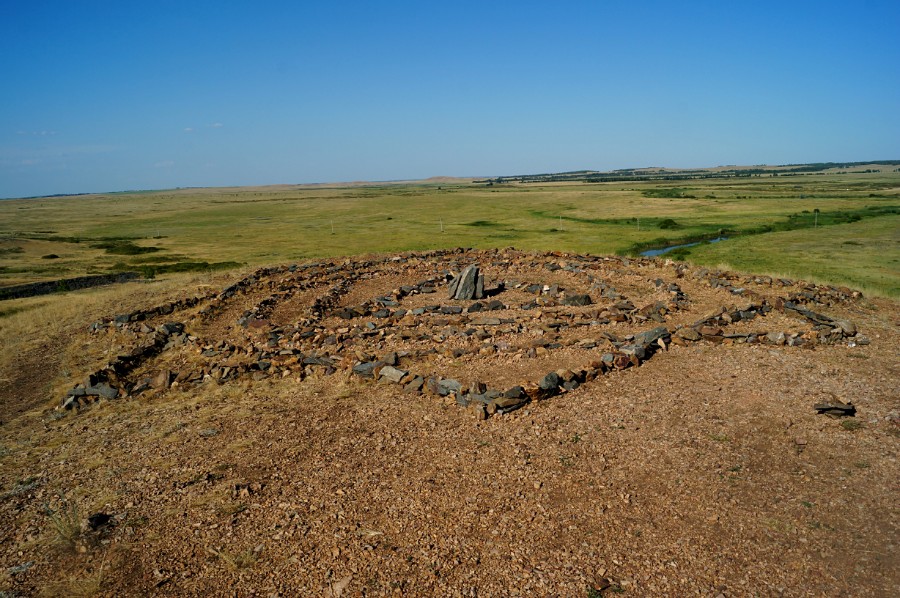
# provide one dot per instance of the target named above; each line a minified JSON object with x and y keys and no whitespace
{"x":664,"y":250}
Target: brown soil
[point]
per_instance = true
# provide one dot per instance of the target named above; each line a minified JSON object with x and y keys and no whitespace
{"x":705,"y":471}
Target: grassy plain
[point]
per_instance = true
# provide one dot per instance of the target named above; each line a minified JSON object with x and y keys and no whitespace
{"x":857,"y":241}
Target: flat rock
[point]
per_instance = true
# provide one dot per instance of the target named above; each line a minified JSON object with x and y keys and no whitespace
{"x":577,"y":300}
{"x":365,"y":370}
{"x":688,"y":334}
{"x":392,"y":374}
{"x":846,"y":326}
{"x":647,"y":338}
{"x":836,"y":408}
{"x":415,"y":385}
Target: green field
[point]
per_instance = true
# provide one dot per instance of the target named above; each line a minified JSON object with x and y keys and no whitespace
{"x":771,"y":223}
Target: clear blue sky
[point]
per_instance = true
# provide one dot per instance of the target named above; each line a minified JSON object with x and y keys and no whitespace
{"x":114,"y":95}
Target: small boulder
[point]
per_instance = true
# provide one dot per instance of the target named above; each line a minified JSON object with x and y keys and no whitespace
{"x":392,"y":374}
{"x":577,"y":300}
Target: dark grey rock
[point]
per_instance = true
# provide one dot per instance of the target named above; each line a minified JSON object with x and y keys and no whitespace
{"x":468,"y":282}
{"x":444,"y":387}
{"x":571,"y":384}
{"x":365,"y":370}
{"x":637,"y":350}
{"x":550,"y":382}
{"x":454,"y":286}
{"x":647,"y":338}
{"x":835,"y":408}
{"x":415,"y":385}
{"x":506,"y":404}
{"x":516,"y":392}
{"x":315,"y":360}
{"x":106,"y":391}
{"x":171,"y":328}
{"x":451,"y":385}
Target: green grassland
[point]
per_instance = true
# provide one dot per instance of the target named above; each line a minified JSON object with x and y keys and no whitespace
{"x":769,"y":221}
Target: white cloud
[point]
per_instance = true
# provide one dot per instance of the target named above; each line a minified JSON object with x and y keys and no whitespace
{"x":164,"y":164}
{"x":217,"y":125}
{"x":189,"y":129}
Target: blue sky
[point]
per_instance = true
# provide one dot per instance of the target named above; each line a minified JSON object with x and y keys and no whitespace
{"x":115,"y":95}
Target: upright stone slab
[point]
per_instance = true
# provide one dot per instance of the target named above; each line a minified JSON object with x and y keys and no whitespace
{"x":466,"y":284}
{"x":454,"y":285}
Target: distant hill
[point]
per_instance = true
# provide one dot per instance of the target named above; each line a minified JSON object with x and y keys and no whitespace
{"x":679,"y":174}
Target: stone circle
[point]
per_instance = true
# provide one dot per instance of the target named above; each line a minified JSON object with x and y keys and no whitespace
{"x":491,"y":330}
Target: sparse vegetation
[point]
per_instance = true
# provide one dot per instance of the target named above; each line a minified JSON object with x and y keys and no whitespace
{"x":667,"y":224}
{"x":123,"y":247}
{"x":154,"y":270}
{"x":65,"y":521}
{"x":241,"y":560}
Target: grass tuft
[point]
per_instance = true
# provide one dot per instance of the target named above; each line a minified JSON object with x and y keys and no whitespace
{"x":241,"y":560}
{"x":66,"y":523}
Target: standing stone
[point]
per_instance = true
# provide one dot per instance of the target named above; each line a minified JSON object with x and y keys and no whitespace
{"x":479,"y":288}
{"x":454,"y":285}
{"x":468,"y":281}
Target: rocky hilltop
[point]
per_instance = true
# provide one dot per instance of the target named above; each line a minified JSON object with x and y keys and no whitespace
{"x":469,"y":423}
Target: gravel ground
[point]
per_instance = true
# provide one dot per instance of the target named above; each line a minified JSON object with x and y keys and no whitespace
{"x":705,"y":471}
